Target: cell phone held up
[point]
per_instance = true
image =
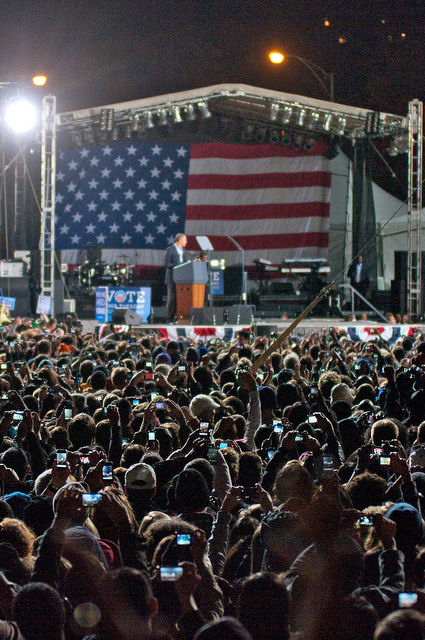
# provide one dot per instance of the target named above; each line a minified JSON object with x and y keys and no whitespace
{"x":107,"y":472}
{"x":61,"y":458}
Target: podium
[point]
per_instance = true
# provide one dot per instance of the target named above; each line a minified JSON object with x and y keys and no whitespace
{"x":190,"y":279}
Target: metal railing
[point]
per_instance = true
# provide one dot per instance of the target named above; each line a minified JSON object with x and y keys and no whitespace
{"x":354,"y":293}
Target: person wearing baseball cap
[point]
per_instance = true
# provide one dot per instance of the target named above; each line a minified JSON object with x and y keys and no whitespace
{"x":203,"y":407}
{"x":140,"y":487}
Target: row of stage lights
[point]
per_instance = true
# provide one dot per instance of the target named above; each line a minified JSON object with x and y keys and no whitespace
{"x":307,"y":118}
{"x":261,"y":133}
{"x":136,"y":125}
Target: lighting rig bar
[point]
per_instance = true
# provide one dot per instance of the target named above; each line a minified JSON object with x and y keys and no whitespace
{"x":241,"y":101}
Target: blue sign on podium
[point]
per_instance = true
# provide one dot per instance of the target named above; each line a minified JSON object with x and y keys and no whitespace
{"x":138,"y":299}
{"x":217,"y":282}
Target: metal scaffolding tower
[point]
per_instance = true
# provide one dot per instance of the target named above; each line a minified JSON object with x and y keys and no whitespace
{"x":19,"y":192}
{"x":414,"y":210}
{"x":48,"y":181}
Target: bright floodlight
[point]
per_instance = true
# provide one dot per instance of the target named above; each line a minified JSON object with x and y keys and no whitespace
{"x":20,"y":115}
{"x":39,"y":81}
{"x":276,"y":57}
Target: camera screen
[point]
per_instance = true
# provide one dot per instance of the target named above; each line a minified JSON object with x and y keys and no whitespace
{"x":407,"y":599}
{"x":107,"y":472}
{"x":90,"y":499}
{"x":170,"y":574}
{"x":61,"y":457}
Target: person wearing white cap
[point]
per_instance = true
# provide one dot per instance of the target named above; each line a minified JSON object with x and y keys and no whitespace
{"x":140,"y":487}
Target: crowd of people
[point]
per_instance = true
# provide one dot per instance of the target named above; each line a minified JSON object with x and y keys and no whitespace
{"x":170,"y":489}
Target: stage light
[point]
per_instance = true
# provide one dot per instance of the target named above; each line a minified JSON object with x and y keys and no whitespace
{"x":274,"y":136}
{"x":135,"y":124}
{"x":286,"y":138}
{"x":76,"y":139}
{"x":107,"y":119}
{"x":20,"y":115}
{"x":128,"y":133}
{"x":260,"y":133}
{"x":274,"y":110}
{"x":287,"y":114}
{"x":149,"y":120}
{"x":327,"y":121}
{"x":162,"y":114}
{"x":276,"y":57}
{"x":297,"y":141}
{"x":89,"y":136}
{"x":301,"y":117}
{"x":203,"y":108}
{"x":247,"y":131}
{"x":177,"y":117}
{"x":309,"y":143}
{"x":312,"y":120}
{"x":340,"y":128}
{"x":115,"y":134}
{"x":39,"y":81}
{"x":190,"y":112}
{"x":141,"y":129}
{"x":332,"y":152}
{"x":398,"y":144}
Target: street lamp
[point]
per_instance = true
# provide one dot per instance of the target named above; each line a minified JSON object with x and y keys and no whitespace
{"x":320,"y":74}
{"x":39,"y":81}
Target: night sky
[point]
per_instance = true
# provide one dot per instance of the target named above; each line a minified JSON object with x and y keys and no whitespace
{"x":96,"y":52}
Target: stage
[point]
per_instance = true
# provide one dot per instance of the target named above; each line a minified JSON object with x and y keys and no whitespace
{"x":355,"y":330}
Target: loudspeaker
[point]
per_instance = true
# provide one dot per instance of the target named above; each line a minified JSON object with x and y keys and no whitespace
{"x":206,"y":315}
{"x":241,"y":314}
{"x":58,"y":299}
{"x":266,"y":329}
{"x":126,"y":316}
{"x":17,"y":288}
{"x":158,"y":315}
{"x":232,"y":281}
{"x":398,"y":296}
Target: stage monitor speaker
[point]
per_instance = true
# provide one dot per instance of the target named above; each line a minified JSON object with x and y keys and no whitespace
{"x":241,"y":314}
{"x":158,"y":315}
{"x":206,"y":315}
{"x":266,"y":329}
{"x":126,"y":316}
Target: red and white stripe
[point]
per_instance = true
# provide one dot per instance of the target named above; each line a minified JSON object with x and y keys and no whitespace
{"x":272,"y":199}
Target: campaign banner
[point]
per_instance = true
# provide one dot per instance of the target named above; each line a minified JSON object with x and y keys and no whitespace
{"x":138,"y":299}
{"x":9,"y":302}
{"x":45,"y":305}
{"x":217,"y":282}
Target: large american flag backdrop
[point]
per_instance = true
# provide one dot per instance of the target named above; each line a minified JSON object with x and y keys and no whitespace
{"x":132,"y":198}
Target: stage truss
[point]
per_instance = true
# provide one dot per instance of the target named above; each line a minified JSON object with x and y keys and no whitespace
{"x":269,"y":111}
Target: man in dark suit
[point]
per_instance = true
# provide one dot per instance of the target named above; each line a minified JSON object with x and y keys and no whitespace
{"x":175,"y":254}
{"x":359,"y":278}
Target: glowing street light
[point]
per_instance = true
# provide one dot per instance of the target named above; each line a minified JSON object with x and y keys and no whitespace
{"x":320,"y":74}
{"x":276,"y":57}
{"x":39,"y":81}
